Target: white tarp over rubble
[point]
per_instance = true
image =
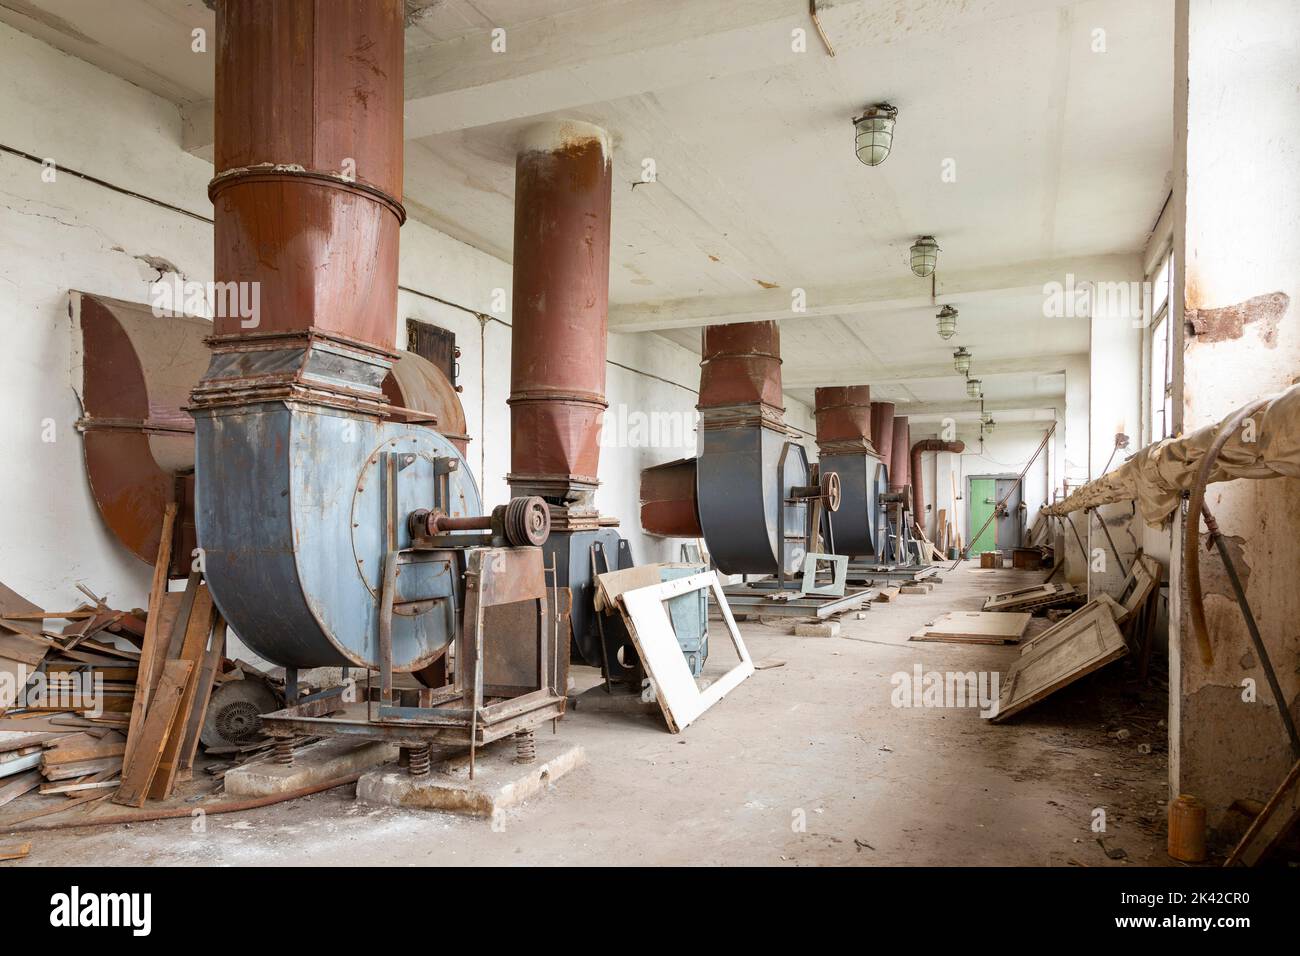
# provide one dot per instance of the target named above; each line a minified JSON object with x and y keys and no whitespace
{"x":1267,"y":445}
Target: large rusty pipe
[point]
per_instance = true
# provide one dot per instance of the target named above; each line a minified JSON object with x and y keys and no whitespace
{"x":843,"y":416}
{"x":308,"y":159}
{"x":561,"y":306}
{"x":741,"y":365}
{"x":898,"y":460}
{"x":882,"y":431}
{"x":918,"y":482}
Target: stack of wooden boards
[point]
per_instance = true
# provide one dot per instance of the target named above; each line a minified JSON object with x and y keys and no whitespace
{"x":137,"y":714}
{"x":65,"y":695}
{"x":974,"y":627}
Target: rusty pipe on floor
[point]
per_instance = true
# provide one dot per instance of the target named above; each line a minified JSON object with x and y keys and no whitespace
{"x":918,"y":482}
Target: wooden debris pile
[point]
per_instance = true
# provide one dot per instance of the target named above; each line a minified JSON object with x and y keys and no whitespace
{"x":82,"y":716}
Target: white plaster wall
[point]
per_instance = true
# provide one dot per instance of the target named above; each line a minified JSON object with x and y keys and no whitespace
{"x":72,"y":234}
{"x":1005,"y":452}
{"x":1237,"y":203}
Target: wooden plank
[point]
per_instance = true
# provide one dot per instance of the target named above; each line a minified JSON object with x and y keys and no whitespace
{"x":652,"y":633}
{"x":75,"y":789}
{"x":111,"y":745}
{"x":975,"y":627}
{"x":81,"y":768}
{"x":24,"y":648}
{"x":20,"y":739}
{"x":142,"y":762}
{"x":15,"y":787}
{"x":151,"y":646}
{"x":1275,"y":821}
{"x":15,"y":851}
{"x":198,"y":713}
{"x":1082,"y":643}
{"x":194,"y":649}
{"x":1035,"y":596}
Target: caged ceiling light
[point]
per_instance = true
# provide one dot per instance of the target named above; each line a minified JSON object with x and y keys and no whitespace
{"x":961,"y":360}
{"x":988,"y":425}
{"x":875,"y":133}
{"x":948,"y":324}
{"x":924,"y":256}
{"x":974,"y":388}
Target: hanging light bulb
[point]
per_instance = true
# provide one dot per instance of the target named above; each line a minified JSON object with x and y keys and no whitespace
{"x":988,"y":425}
{"x":961,"y":360}
{"x":875,"y":133}
{"x":948,"y":324}
{"x":925,"y":256}
{"x":974,"y":388}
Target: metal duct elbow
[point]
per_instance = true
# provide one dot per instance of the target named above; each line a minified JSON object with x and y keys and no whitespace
{"x":918,"y":482}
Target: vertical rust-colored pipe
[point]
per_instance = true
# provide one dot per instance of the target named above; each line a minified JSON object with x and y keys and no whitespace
{"x":308,"y":158}
{"x":741,"y":365}
{"x":843,"y":416}
{"x":898,"y":460}
{"x":882,"y":431}
{"x":918,"y":482}
{"x":561,"y":310}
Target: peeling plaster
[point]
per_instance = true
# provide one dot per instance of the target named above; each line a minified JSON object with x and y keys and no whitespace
{"x":1230,"y":321}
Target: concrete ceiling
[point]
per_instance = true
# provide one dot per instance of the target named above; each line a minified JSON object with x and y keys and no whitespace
{"x":1062,"y":154}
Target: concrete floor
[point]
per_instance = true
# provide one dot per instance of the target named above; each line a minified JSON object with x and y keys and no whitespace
{"x":816,"y":740}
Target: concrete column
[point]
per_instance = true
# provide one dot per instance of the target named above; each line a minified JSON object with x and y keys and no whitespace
{"x":1237,"y":278}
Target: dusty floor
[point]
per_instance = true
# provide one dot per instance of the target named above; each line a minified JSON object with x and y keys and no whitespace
{"x":815,"y":741}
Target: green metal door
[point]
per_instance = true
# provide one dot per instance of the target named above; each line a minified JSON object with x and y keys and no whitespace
{"x":981,"y":506}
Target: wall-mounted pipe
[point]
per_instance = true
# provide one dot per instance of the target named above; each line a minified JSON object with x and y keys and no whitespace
{"x":918,"y":480}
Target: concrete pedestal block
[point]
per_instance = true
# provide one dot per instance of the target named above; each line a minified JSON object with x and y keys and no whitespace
{"x":499,"y":782}
{"x":317,"y":763}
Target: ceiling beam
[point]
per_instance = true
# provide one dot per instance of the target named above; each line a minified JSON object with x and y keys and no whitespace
{"x":877,"y":295}
{"x":623,"y":48}
{"x":919,"y":374}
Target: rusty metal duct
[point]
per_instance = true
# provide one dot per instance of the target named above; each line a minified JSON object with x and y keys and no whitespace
{"x":898,"y":460}
{"x":918,"y":481}
{"x":844,"y":426}
{"x":560,"y":313}
{"x":304,"y":485}
{"x":560,"y":316}
{"x":136,"y":374}
{"x":751,"y":473}
{"x":882,"y":430}
{"x":668,"y":502}
{"x":843,"y":415}
{"x":416,"y":384}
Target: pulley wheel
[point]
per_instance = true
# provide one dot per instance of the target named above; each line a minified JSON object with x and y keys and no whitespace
{"x":528,"y":522}
{"x":831,"y":490}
